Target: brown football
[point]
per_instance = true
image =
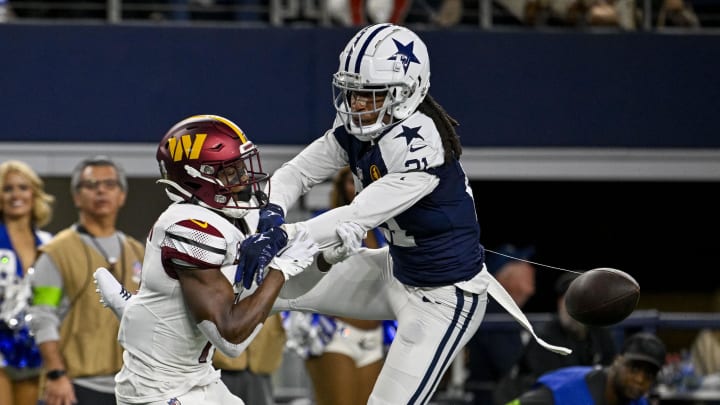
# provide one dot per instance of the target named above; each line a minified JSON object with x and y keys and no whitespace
{"x":602,"y":297}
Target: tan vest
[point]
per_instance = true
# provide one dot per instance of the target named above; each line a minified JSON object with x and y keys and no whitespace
{"x":264,"y":355}
{"x":88,"y":334}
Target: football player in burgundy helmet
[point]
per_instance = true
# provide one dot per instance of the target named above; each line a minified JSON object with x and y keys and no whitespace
{"x":187,"y":305}
{"x":208,"y":160}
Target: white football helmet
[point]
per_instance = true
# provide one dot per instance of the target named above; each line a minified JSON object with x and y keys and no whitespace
{"x":381,"y":59}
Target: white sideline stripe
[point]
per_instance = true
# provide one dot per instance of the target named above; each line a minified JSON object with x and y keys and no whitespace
{"x":138,"y":160}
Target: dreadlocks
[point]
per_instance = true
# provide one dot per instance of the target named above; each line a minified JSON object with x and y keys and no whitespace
{"x":446,"y":126}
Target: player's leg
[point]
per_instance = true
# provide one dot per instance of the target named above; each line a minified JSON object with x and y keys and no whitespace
{"x":433,"y":326}
{"x":217,"y":393}
{"x":302,"y":283}
{"x":356,"y":288}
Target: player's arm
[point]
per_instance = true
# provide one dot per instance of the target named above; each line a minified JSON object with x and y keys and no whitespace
{"x":209,"y":296}
{"x":210,"y":299}
{"x":386,"y":198}
{"x":315,"y":164}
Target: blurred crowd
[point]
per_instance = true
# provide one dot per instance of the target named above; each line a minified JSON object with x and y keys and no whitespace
{"x":621,"y":14}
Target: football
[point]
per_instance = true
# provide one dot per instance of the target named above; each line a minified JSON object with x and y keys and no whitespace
{"x":602,"y":297}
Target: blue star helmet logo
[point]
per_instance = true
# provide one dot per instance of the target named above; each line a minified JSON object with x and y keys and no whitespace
{"x":406,"y":53}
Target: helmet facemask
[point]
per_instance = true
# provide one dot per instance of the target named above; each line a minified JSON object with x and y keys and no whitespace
{"x":368,"y":100}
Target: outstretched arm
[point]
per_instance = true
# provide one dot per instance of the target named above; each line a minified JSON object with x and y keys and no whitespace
{"x":380,"y":201}
{"x":211,"y":301}
{"x":229,"y":323}
{"x":208,"y":295}
{"x":316,"y":163}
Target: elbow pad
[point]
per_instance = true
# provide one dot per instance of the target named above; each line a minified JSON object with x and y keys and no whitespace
{"x":210,"y":330}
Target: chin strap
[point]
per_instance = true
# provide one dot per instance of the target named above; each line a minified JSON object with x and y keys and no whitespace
{"x":175,"y":197}
{"x":180,"y":195}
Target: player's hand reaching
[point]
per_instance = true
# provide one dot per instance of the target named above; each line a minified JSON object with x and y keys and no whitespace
{"x":256,"y":252}
{"x":297,"y":256}
{"x":351,"y":235}
{"x":271,"y":216}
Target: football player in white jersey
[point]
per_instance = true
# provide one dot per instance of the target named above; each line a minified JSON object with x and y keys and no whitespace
{"x":404,"y":153}
{"x":186,"y":306}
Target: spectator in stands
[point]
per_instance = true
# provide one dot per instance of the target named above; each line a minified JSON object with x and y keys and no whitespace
{"x":492,"y":353}
{"x":677,"y":13}
{"x":6,"y":12}
{"x":612,"y":13}
{"x":627,"y":380}
{"x":620,"y":13}
{"x":705,"y":348}
{"x":361,"y":12}
{"x":590,"y":346}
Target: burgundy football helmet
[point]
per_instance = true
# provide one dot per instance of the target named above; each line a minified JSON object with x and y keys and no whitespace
{"x":208,"y":160}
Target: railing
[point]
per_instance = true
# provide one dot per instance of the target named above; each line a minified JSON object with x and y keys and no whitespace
{"x":485,"y":14}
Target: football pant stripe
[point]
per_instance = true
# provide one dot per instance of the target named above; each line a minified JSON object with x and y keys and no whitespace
{"x":433,"y":367}
{"x":461,"y":298}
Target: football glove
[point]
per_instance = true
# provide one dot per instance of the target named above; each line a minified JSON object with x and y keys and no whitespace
{"x":297,"y":256}
{"x":271,"y":216}
{"x":351,"y":235}
{"x":256,"y":252}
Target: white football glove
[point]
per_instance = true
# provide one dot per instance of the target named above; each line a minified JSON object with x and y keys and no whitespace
{"x":351,"y":235}
{"x":298,"y":254}
{"x":113,"y":295}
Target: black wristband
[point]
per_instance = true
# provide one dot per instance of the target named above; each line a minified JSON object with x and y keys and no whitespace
{"x":54,"y":374}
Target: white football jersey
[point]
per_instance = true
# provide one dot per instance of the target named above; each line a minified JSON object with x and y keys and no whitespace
{"x":165,"y":353}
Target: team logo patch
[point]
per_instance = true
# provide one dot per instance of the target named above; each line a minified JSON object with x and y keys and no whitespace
{"x":202,"y":224}
{"x":375,"y":172}
{"x":186,"y":146}
{"x":407,"y":55}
